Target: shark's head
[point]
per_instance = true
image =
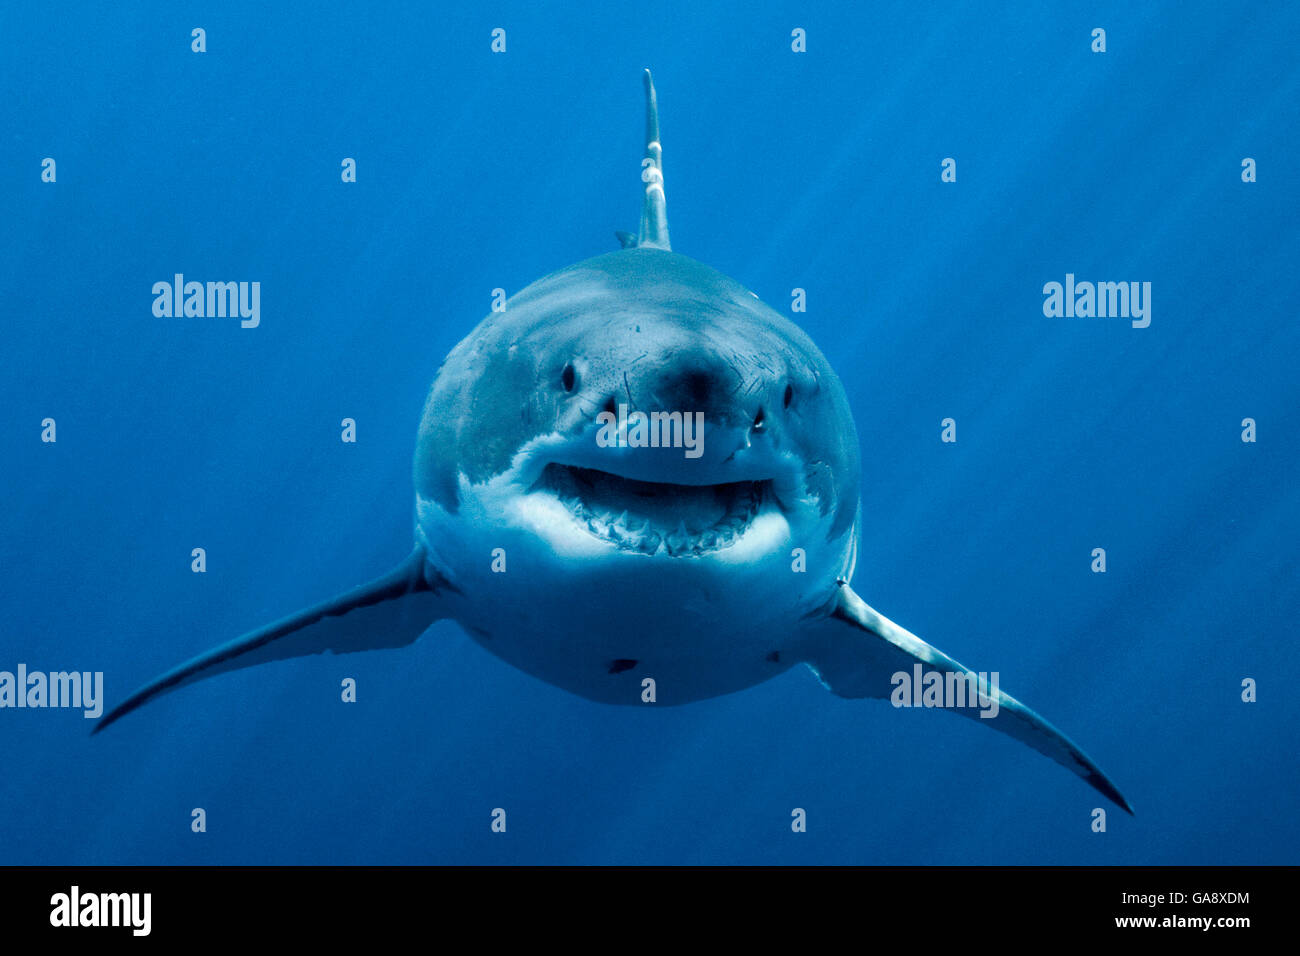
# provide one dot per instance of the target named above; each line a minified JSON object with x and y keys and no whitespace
{"x":643,"y":407}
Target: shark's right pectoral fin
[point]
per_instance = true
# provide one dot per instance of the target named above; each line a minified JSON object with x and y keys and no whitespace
{"x":391,"y":611}
{"x":860,"y":650}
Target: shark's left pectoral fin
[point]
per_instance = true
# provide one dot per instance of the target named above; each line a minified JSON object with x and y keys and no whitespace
{"x":390,"y":611}
{"x":859,"y":652}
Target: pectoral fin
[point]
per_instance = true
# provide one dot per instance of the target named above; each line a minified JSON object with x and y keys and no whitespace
{"x":860,"y":650}
{"x":391,"y":611}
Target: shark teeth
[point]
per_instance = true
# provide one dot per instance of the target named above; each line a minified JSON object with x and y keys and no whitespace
{"x":679,"y":542}
{"x":647,"y":518}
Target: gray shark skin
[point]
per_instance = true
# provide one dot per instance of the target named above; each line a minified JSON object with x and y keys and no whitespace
{"x":596,"y":565}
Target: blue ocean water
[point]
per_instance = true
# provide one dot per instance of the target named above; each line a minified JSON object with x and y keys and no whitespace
{"x":817,"y":170}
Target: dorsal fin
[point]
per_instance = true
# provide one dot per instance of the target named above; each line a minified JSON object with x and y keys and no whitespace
{"x":654,"y":207}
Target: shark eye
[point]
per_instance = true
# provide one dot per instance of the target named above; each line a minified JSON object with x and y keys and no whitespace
{"x":788,"y":397}
{"x":758,"y":420}
{"x":568,"y":378}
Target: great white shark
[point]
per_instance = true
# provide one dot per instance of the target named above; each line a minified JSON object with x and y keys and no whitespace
{"x":599,"y":565}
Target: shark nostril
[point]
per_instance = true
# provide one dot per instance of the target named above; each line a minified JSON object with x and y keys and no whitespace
{"x":788,"y":397}
{"x":610,"y":406}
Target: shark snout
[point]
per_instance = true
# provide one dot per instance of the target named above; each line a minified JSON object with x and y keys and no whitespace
{"x":701,"y":387}
{"x":713,"y":391}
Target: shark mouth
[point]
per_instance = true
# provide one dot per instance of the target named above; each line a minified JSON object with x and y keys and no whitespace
{"x":647,"y":517}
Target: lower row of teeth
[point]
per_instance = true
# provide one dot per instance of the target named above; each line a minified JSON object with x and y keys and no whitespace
{"x":649,"y":541}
